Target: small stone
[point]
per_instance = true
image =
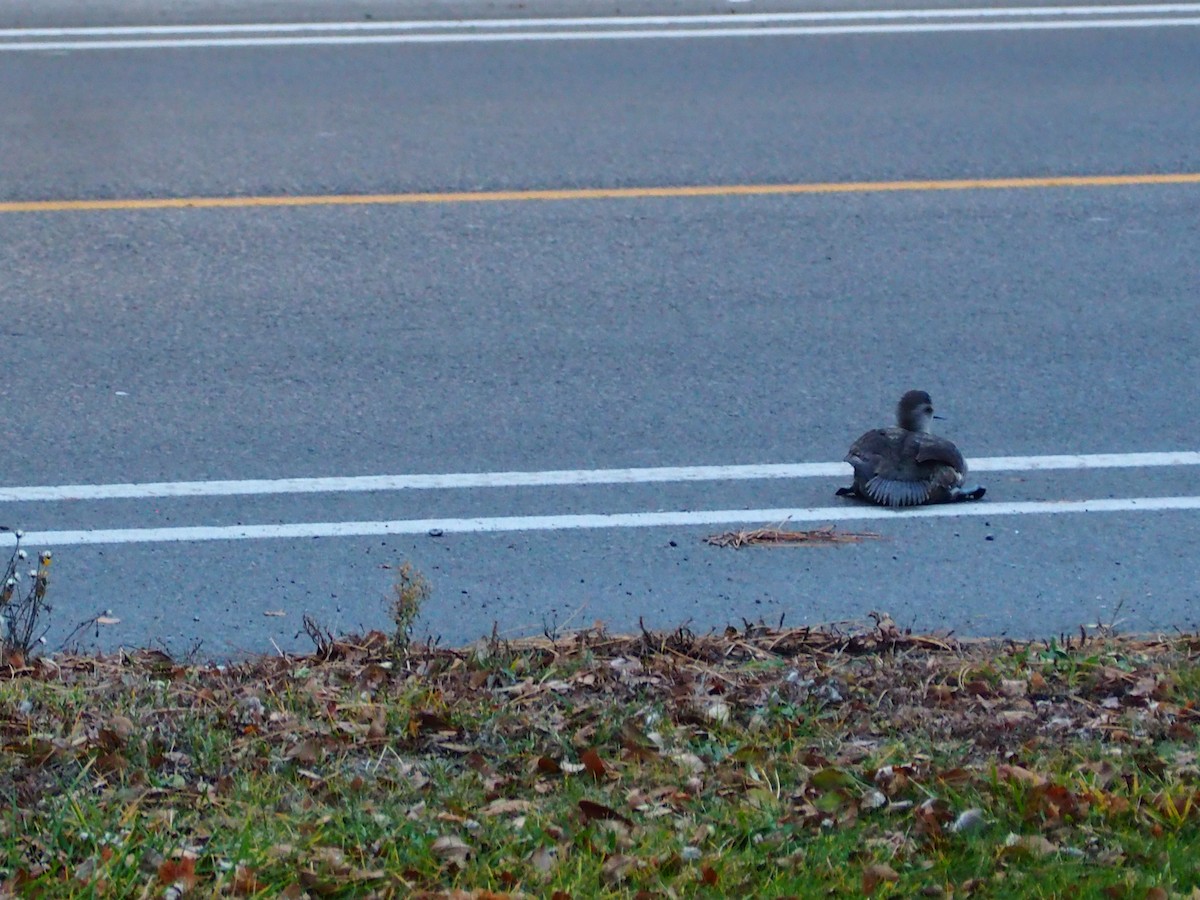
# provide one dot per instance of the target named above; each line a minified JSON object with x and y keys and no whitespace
{"x":873,"y":800}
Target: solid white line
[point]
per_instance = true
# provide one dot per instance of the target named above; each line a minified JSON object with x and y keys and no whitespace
{"x":849,"y":512}
{"x":361,"y":483}
{"x":882,"y":15}
{"x":560,"y":477}
{"x":1084,"y":461}
{"x":536,"y":36}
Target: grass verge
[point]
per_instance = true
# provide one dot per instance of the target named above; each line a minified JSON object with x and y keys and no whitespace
{"x":758,"y":762}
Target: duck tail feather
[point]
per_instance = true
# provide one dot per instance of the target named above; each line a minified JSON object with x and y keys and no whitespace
{"x":889,"y":492}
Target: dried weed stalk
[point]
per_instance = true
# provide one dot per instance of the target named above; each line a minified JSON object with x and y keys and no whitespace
{"x":410,"y":592}
{"x":22,"y":610}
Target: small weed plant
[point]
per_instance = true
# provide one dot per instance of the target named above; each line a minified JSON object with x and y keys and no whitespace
{"x":23,"y":604}
{"x":410,"y":592}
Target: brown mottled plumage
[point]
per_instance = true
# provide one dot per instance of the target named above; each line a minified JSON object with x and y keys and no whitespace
{"x":907,"y":465}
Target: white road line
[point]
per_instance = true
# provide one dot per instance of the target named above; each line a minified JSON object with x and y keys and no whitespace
{"x":560,"y":477}
{"x":849,"y":512}
{"x":627,"y":34}
{"x":882,"y":15}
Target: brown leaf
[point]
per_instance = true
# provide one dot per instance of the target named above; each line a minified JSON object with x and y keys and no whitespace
{"x":306,"y":753}
{"x":1012,"y":687}
{"x":1019,"y":774}
{"x":957,"y":776}
{"x":548,"y":766}
{"x":451,"y":849}
{"x":330,"y":858}
{"x":111,"y":763}
{"x":245,"y":882}
{"x":1056,"y":802}
{"x":593,"y":763}
{"x":1144,"y":687}
{"x":616,"y":869}
{"x":875,"y":875}
{"x":121,"y":726}
{"x":178,"y":871}
{"x":592,"y":810}
{"x":431,"y":721}
{"x":1014,"y":717}
{"x":503,"y":806}
{"x":1028,"y":845}
{"x":377,"y":730}
{"x":709,"y":876}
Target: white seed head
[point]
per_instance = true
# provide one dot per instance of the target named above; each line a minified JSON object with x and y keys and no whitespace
{"x":21,"y":554}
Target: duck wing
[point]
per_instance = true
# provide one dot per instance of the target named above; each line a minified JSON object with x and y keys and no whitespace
{"x":870,"y":451}
{"x":933,"y":449}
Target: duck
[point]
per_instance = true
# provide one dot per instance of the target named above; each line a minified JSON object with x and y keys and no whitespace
{"x":908,"y":465}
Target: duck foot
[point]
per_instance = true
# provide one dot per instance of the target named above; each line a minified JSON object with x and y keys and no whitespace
{"x":846,"y":492}
{"x":975,"y":493}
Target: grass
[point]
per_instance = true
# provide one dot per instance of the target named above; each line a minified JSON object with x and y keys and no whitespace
{"x":754,"y":763}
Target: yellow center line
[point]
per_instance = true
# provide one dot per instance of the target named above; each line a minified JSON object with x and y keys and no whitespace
{"x":715,"y":190}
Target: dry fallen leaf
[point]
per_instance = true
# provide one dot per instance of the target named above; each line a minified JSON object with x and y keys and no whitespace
{"x":451,"y":849}
{"x":616,"y":869}
{"x":503,"y":806}
{"x":180,"y":872}
{"x":592,"y":810}
{"x":593,"y":763}
{"x":1019,"y":773}
{"x":875,"y":875}
{"x":245,"y":882}
{"x":306,"y":753}
{"x":1028,"y":844}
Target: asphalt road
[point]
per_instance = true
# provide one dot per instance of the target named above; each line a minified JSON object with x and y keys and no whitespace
{"x":266,"y":343}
